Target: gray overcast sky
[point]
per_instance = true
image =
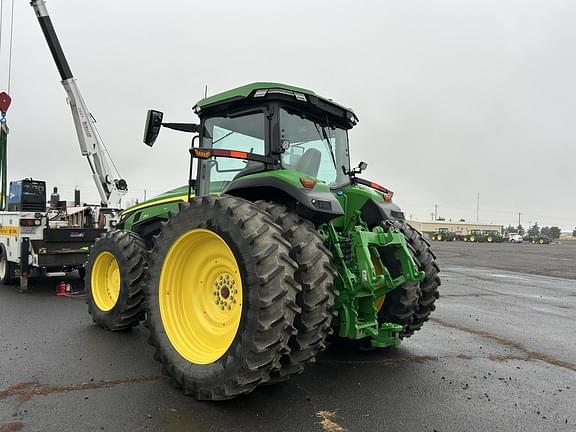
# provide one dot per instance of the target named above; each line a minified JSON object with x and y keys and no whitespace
{"x":454,"y":97}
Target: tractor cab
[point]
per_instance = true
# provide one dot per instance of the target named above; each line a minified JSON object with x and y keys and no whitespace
{"x":269,"y":126}
{"x":293,"y":127}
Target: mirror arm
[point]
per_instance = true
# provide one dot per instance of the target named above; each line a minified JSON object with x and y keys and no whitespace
{"x":183,"y":127}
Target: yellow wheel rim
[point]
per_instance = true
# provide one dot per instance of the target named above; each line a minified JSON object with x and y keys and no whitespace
{"x":105,"y":281}
{"x":200,"y":296}
{"x":489,"y":239}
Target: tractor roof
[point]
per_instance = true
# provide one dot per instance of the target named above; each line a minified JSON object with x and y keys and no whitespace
{"x":262,"y":89}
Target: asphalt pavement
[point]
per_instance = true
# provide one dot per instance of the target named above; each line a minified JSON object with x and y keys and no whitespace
{"x":498,"y":355}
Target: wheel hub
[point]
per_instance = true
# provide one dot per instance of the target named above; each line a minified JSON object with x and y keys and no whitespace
{"x":225,"y":292}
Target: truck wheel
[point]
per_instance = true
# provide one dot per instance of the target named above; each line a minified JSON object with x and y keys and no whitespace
{"x":490,"y":239}
{"x":316,"y":276}
{"x":411,"y":304}
{"x":221,"y":299}
{"x":7,"y":269}
{"x":116,"y":270}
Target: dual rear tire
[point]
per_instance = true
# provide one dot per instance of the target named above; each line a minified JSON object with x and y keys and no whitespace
{"x":217,"y":347}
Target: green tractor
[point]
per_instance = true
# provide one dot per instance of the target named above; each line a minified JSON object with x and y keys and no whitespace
{"x":473,"y":237}
{"x":540,"y":239}
{"x":443,"y":235}
{"x":492,"y":236}
{"x":486,"y":236}
{"x":274,"y":245}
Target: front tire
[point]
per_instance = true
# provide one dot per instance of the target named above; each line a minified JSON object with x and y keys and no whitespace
{"x":411,"y":304}
{"x":221,"y":297}
{"x":115,"y":272}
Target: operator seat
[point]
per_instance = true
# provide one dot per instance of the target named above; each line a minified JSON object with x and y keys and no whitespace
{"x":309,"y":162}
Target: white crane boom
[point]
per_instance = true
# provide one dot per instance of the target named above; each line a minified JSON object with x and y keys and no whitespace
{"x":111,"y":190}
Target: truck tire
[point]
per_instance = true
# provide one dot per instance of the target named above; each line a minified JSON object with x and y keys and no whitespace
{"x":316,"y":299}
{"x":221,"y":298}
{"x":7,"y":269}
{"x":411,"y":304}
{"x":116,"y":270}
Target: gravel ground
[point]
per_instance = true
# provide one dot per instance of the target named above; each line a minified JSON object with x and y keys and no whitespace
{"x":498,"y":355}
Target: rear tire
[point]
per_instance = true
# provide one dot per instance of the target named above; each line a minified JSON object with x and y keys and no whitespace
{"x":116,"y":270}
{"x":316,"y":276}
{"x":411,"y":304}
{"x":220,"y":367}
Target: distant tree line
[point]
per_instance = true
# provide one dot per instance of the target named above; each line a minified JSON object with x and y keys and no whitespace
{"x":534,"y":231}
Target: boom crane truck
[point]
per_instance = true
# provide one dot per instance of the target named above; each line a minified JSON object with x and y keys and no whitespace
{"x":35,"y":239}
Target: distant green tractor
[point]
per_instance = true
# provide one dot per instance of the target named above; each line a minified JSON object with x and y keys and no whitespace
{"x":472,"y":237}
{"x":274,"y":243}
{"x":540,"y":239}
{"x":486,"y":236}
{"x":443,"y":235}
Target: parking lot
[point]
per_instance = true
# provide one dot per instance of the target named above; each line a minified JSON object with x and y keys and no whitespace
{"x":499,"y":354}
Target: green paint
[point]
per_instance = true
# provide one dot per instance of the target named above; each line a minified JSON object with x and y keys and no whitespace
{"x":352,"y":198}
{"x":363,"y":278}
{"x":291,"y":177}
{"x":246,"y":91}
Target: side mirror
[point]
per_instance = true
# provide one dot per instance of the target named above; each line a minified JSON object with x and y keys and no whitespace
{"x":362,"y":166}
{"x":153,"y":125}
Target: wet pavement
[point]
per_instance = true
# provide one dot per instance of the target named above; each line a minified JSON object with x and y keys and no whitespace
{"x":499,"y":354}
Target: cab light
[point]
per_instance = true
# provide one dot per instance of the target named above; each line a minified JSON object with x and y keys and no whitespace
{"x":307,"y":183}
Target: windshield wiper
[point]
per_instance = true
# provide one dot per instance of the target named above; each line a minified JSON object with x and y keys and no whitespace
{"x":324,"y":137}
{"x":221,"y":138}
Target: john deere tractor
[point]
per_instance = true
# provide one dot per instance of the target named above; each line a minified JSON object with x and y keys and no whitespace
{"x":488,"y":236}
{"x":443,"y":235}
{"x":274,"y":245}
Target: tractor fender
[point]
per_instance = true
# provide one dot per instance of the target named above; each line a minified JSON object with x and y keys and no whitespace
{"x":316,"y":206}
{"x":374,"y":212}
